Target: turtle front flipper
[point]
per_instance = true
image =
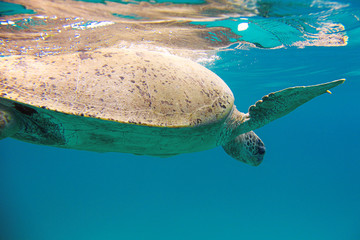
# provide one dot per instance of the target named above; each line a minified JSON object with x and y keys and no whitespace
{"x":9,"y":124}
{"x":278,"y":104}
{"x":247,"y":148}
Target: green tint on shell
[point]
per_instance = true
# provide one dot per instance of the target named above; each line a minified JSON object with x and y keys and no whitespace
{"x":58,"y":129}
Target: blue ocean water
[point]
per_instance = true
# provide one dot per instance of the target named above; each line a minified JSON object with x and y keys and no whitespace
{"x":306,"y":188}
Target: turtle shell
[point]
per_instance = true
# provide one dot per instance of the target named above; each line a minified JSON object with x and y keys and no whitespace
{"x":123,"y":85}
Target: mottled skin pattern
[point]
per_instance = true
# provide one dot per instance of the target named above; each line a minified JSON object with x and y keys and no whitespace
{"x":9,"y":124}
{"x":247,"y":148}
{"x":134,"y":101}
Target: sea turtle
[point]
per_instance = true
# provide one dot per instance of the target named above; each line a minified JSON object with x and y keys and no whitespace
{"x":134,"y":101}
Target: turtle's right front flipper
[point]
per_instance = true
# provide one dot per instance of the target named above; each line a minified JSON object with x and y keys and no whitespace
{"x":278,"y":104}
{"x":9,"y":124}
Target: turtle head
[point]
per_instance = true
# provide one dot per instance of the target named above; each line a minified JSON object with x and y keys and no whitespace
{"x":247,"y":148}
{"x":9,"y":124}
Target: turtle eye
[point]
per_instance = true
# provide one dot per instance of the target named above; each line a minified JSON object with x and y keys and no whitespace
{"x":261,"y":150}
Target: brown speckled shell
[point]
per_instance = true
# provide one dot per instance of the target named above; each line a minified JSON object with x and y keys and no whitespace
{"x":122,"y":85}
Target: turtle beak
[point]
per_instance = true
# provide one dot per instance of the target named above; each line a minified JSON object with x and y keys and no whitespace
{"x":258,"y":158}
{"x":261,"y":150}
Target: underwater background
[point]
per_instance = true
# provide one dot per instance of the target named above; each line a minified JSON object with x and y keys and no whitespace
{"x":308,"y":186}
